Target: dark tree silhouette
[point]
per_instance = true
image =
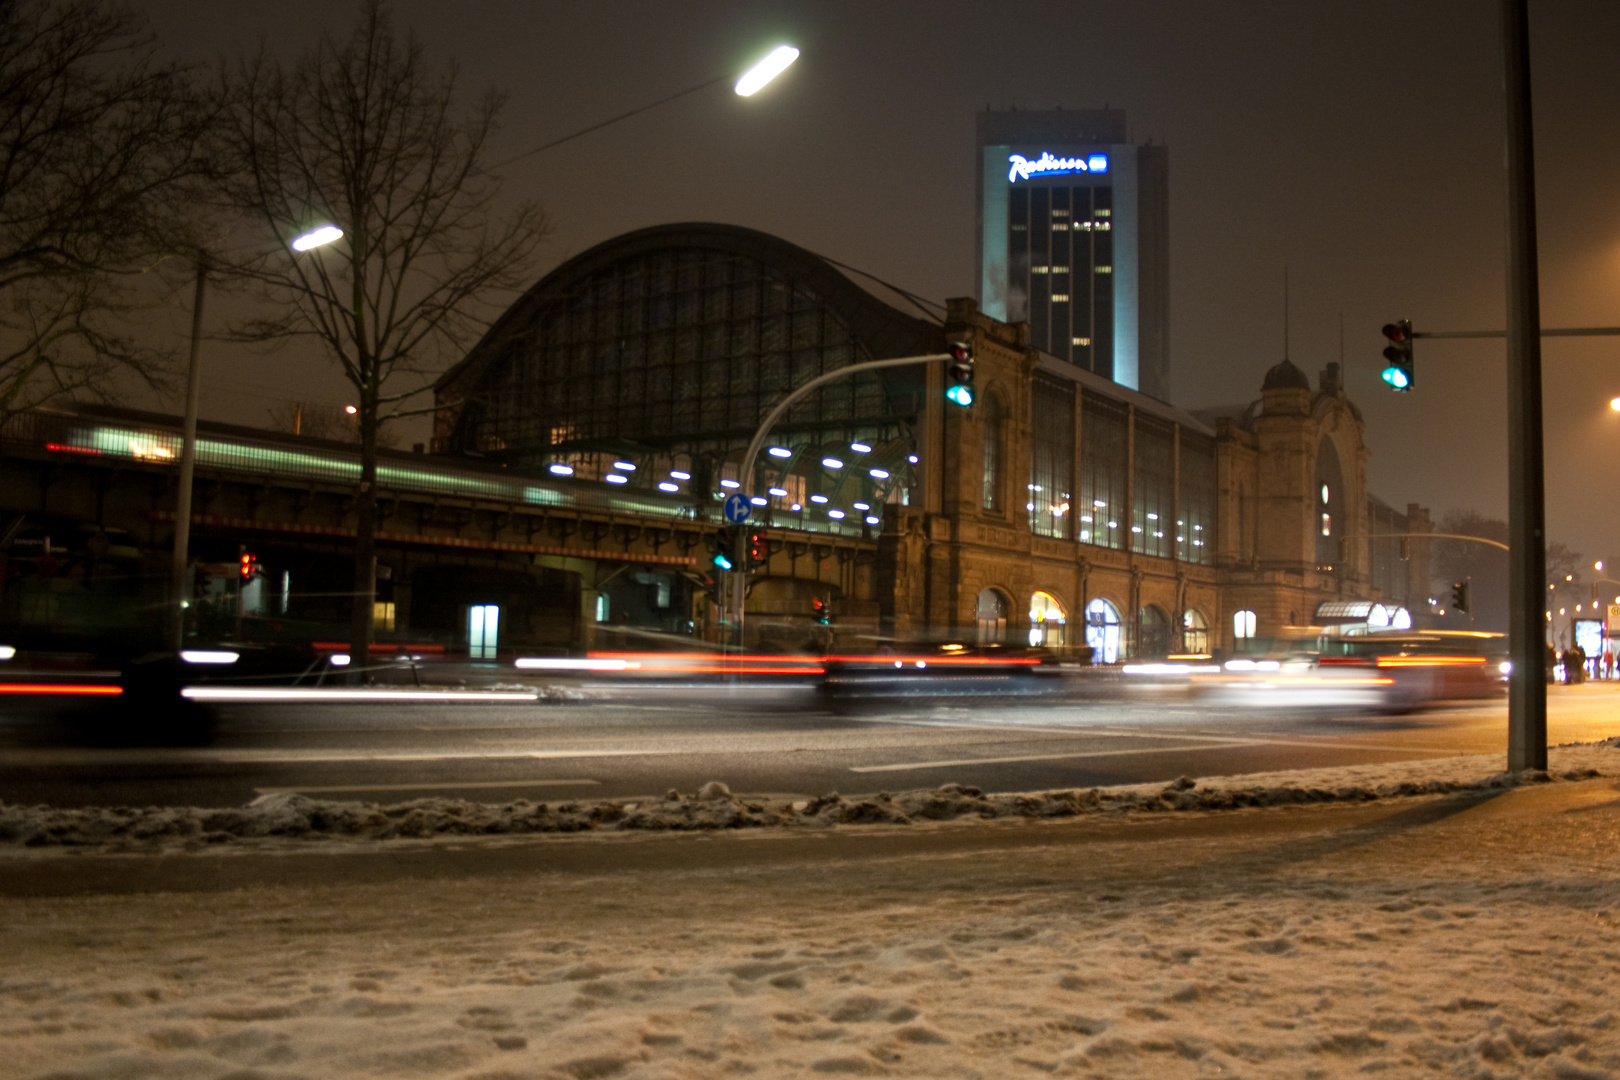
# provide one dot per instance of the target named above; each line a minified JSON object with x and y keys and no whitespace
{"x":99,"y":152}
{"x":360,"y":133}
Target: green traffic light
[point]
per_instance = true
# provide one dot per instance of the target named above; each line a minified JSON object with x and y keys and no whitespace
{"x":721,"y":561}
{"x":1396,"y":377}
{"x":961,"y":394}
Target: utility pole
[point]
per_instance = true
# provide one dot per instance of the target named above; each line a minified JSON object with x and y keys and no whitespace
{"x":1527,"y":559}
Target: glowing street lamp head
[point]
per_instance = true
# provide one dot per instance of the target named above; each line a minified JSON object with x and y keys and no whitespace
{"x":776,"y":61}
{"x":1614,"y":403}
{"x":317,"y":238}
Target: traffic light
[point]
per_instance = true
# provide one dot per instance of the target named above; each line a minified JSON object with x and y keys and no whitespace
{"x":759,"y":550}
{"x":959,"y":373}
{"x":1594,"y":596}
{"x":725,"y":542}
{"x":1398,"y":370}
{"x":1459,"y":596}
{"x":250,"y":566}
{"x":818,"y":610}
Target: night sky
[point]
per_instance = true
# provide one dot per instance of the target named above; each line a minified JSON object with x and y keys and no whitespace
{"x":1358,"y":144}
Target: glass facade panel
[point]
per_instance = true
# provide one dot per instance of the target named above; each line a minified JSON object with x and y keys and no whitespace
{"x":1051,"y":481}
{"x":1153,"y":508}
{"x":1195,"y":524}
{"x":1101,"y":511}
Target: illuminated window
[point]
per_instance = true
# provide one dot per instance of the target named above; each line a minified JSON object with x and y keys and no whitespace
{"x":1046,"y":621}
{"x":483,"y":631}
{"x":1051,"y":457}
{"x":1105,"y":269}
{"x":992,"y":454}
{"x":1060,"y":298}
{"x":1102,"y":631}
{"x":1194,"y":631}
{"x":382,"y":615}
{"x":1082,"y":341}
{"x":1243,"y":625}
{"x":1327,"y":524}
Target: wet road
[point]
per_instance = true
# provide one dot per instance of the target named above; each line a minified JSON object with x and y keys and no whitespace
{"x":756,"y":741}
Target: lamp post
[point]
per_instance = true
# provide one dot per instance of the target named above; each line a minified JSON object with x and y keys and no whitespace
{"x":188,"y":437}
{"x":751,"y":455}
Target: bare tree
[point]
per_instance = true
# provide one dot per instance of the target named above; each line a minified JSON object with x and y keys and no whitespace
{"x":97,"y":145}
{"x":360,"y":133}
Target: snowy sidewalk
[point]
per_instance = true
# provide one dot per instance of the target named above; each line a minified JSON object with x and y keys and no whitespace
{"x":1465,"y":935}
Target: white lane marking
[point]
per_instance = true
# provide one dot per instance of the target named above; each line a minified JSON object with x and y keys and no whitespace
{"x":913,"y":765}
{"x":447,"y":785}
{"x":356,"y":694}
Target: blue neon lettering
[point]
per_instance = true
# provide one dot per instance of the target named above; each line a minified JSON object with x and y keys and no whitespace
{"x":1047,"y":165}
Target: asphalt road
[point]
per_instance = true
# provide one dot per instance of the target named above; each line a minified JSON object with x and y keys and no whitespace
{"x":644,"y":742}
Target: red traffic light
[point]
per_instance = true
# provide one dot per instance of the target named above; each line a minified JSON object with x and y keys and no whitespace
{"x":250,"y":563}
{"x":1398,"y":333}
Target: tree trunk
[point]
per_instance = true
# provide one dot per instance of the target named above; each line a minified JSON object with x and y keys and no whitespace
{"x":361,"y":621}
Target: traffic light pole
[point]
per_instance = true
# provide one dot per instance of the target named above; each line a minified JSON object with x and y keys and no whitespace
{"x":1527,"y":534}
{"x":740,"y":555}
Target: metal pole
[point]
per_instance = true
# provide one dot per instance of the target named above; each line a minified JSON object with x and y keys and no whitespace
{"x":188,"y":464}
{"x":1527,"y":630}
{"x":740,"y":571}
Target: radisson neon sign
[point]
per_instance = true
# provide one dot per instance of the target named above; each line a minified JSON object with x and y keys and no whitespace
{"x":1047,"y":165}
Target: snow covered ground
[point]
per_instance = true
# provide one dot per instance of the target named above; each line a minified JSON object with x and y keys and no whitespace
{"x":1469,"y":934}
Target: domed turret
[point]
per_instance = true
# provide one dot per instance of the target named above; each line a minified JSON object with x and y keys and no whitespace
{"x":1285,"y":376}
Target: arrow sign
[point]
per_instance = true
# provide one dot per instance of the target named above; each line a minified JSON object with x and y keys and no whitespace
{"x":736,"y":509}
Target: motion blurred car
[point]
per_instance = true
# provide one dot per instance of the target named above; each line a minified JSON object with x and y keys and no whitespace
{"x":1388,"y":671}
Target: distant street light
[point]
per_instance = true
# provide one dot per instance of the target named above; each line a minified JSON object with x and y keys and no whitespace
{"x":776,"y":61}
{"x":749,"y":83}
{"x":1614,"y":403}
{"x":188,"y":436}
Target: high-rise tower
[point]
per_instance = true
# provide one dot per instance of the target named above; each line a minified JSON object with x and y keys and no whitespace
{"x":1074,"y":239}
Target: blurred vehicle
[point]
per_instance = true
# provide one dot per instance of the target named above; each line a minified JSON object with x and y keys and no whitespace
{"x":1383,"y":671}
{"x":949,"y":672}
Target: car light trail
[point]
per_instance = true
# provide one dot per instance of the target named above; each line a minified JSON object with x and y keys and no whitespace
{"x":546,"y":663}
{"x":59,"y":688}
{"x":361,"y":693}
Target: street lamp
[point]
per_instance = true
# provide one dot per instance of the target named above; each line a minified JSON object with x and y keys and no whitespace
{"x":776,"y":61}
{"x":188,"y":435}
{"x":748,"y":84}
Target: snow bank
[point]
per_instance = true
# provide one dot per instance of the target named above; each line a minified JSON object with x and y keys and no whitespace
{"x":714,"y":806}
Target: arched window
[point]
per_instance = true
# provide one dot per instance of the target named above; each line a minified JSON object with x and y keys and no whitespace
{"x":1194,"y":631}
{"x":1243,"y":625}
{"x":992,"y":617}
{"x":1153,"y":638}
{"x":1330,"y":513}
{"x":1102,"y":631}
{"x":992,"y":452}
{"x":1047,"y":621}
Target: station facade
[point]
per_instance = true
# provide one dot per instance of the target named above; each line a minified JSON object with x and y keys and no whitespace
{"x":1062,"y":509}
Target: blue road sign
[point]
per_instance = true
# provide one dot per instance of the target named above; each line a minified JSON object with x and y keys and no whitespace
{"x":736,"y":509}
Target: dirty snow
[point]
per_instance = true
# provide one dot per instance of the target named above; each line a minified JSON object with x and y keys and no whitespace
{"x":1470,"y":935}
{"x":715,"y":806}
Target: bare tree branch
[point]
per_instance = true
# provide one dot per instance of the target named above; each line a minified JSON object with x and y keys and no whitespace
{"x":361,"y":134}
{"x":99,"y":152}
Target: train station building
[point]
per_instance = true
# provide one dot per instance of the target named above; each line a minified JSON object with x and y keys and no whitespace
{"x":570,"y":497}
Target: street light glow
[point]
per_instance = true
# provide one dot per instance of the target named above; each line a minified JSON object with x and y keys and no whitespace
{"x":1614,"y":403}
{"x":776,"y":61}
{"x":317,"y":238}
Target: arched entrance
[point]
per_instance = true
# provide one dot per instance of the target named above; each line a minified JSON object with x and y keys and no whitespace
{"x":1153,"y":636}
{"x":1102,"y":631}
{"x":1047,"y":622}
{"x":991,"y":616}
{"x":1194,"y":631}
